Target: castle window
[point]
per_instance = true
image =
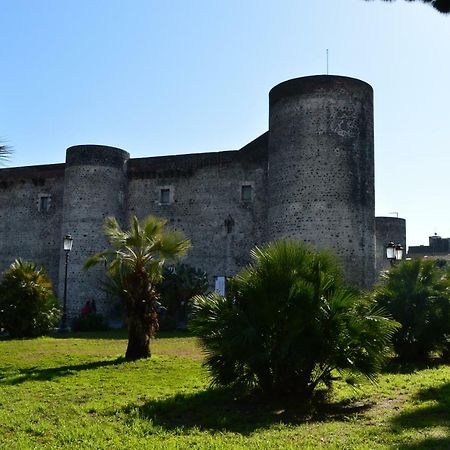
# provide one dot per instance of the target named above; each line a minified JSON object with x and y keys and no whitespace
{"x":43,"y":202}
{"x":246,"y":192}
{"x":165,"y":196}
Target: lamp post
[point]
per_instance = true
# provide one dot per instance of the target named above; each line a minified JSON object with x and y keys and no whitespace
{"x":67,"y":245}
{"x":394,"y":252}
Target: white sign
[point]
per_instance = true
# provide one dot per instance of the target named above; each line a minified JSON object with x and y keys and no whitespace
{"x":220,"y":285}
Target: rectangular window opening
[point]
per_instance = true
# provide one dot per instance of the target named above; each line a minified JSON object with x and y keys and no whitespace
{"x":44,"y":203}
{"x":164,"y":196}
{"x":246,"y":193}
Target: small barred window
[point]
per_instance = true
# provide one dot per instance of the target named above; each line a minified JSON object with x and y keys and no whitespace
{"x":164,"y":196}
{"x":43,"y":202}
{"x":246,"y":193}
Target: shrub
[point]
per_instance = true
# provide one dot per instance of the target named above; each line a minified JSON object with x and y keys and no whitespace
{"x":288,"y":322}
{"x":90,"y":322}
{"x":180,"y":283}
{"x":28,"y":306}
{"x":417,"y":295}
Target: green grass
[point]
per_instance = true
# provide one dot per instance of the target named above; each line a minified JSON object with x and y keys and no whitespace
{"x":78,"y":392}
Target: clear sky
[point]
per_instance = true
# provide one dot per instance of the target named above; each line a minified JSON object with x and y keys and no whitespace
{"x":172,"y":76}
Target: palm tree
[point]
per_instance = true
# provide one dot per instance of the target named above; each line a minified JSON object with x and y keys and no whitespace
{"x":134,"y":266}
{"x":5,"y":153}
{"x":28,"y":306}
{"x":288,"y":322}
{"x":417,"y":295}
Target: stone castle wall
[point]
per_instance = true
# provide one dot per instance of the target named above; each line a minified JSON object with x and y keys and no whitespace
{"x":310,"y":177}
{"x":95,"y":188}
{"x":321,"y":168}
{"x":206,"y":202}
{"x":28,"y":230}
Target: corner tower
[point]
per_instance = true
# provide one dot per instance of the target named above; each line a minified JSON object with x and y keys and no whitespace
{"x":321,"y":169}
{"x":94,"y":188}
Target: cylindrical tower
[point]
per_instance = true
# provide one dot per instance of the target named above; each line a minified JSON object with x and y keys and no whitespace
{"x":321,"y":169}
{"x":94,"y":188}
{"x":388,"y":229}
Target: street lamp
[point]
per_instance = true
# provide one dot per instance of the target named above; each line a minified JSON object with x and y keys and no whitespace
{"x":398,"y":252}
{"x":67,"y":245}
{"x":394,"y":252}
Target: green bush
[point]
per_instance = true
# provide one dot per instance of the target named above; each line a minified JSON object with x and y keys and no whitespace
{"x":28,"y":306}
{"x":90,"y":322}
{"x":288,"y":322}
{"x":417,"y":295}
{"x":180,"y":283}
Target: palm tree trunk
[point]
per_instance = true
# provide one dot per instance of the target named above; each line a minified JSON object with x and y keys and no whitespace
{"x":142,"y":317}
{"x":138,"y":338}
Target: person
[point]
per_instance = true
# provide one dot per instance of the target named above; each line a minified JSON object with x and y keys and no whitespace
{"x":86,"y":309}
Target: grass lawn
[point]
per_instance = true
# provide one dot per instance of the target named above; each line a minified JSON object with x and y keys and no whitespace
{"x":78,"y":392}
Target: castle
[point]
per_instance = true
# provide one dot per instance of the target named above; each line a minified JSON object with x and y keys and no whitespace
{"x":309,"y":177}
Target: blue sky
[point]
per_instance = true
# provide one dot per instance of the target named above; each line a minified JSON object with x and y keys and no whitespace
{"x":167,"y":77}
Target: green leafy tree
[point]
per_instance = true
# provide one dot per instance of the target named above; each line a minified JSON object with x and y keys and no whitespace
{"x":28,"y":306}
{"x":180,"y":283}
{"x":134,"y":265}
{"x":288,"y":322}
{"x":417,"y":295}
{"x":442,"y":6}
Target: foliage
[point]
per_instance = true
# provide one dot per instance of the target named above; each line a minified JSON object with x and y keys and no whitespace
{"x":180,"y":283}
{"x":417,"y":295}
{"x":288,"y":322}
{"x":28,"y":306}
{"x":90,"y":322}
{"x":134,"y":265}
{"x":442,"y":263}
{"x":442,"y":6}
{"x":5,"y":153}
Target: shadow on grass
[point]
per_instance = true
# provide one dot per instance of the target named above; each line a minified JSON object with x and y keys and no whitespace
{"x":427,"y":419}
{"x":120,"y":333}
{"x":50,"y":373}
{"x":219,"y":410}
{"x":401,"y":367}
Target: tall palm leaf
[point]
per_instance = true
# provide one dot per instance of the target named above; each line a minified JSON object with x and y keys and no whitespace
{"x":5,"y":153}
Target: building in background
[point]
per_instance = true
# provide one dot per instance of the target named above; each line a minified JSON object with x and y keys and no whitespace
{"x":309,"y":177}
{"x":437,"y":248}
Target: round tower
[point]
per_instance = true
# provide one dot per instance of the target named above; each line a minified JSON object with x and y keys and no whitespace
{"x":94,"y":188}
{"x":388,"y":229}
{"x":321,"y":169}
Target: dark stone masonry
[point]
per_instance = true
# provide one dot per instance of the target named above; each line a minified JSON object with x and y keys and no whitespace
{"x":310,"y":177}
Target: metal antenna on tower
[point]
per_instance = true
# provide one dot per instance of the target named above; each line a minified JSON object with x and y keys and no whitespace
{"x":327,"y":61}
